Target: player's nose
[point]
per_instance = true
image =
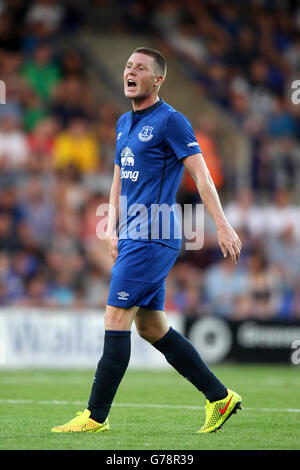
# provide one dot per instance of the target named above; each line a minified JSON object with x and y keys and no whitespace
{"x":132,"y":72}
{"x":129,"y":76}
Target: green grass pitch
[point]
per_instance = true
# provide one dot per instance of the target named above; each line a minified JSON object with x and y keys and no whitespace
{"x":153,"y":410}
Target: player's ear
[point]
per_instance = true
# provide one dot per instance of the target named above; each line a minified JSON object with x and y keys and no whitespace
{"x":158,"y":80}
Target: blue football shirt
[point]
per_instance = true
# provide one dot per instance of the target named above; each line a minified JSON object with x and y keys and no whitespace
{"x":150,"y":146}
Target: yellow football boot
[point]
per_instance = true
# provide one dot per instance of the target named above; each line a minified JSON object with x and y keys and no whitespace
{"x":83,"y":423}
{"x":218,"y":412}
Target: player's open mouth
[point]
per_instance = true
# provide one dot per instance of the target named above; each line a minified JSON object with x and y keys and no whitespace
{"x":131,"y":83}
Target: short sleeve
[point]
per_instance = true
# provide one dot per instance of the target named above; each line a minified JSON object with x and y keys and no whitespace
{"x":117,"y":157}
{"x":181,"y":137}
{"x":117,"y":151}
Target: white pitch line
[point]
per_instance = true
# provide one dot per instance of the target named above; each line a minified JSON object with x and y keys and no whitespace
{"x":124,"y":405}
{"x":138,"y":405}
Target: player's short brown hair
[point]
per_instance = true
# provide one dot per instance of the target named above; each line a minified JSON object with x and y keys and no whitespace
{"x":159,"y":60}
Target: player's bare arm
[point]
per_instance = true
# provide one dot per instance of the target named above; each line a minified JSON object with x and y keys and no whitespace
{"x":113,"y":214}
{"x":227,"y":237}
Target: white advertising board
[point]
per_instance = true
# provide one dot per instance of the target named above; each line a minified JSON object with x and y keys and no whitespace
{"x":62,"y":338}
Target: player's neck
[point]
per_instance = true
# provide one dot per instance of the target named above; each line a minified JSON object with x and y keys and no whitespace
{"x":139,"y":105}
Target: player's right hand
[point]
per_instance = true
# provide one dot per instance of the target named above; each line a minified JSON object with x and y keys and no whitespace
{"x":112,"y":243}
{"x":229,"y":242}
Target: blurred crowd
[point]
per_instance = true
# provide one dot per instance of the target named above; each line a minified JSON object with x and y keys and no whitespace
{"x":57,"y":141}
{"x":245,"y":56}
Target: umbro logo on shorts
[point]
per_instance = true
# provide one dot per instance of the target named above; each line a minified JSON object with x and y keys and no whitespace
{"x":122,"y":295}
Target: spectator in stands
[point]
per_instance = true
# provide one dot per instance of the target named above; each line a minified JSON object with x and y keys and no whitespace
{"x":239,"y":100}
{"x":37,"y":293}
{"x":96,"y":287}
{"x":93,"y":245}
{"x":292,"y":56}
{"x":281,"y":123}
{"x":229,"y":19}
{"x":48,"y":12}
{"x":41,"y":140}
{"x":61,"y":292}
{"x":10,"y":203}
{"x":222,"y":284}
{"x":42,"y":74}
{"x":136,"y":16}
{"x":12,"y":286}
{"x":24,"y":264}
{"x":187,"y":295}
{"x":4,"y":295}
{"x":71,"y":194}
{"x":36,"y":34}
{"x":265,"y":286}
{"x":194,"y":304}
{"x":280,"y":213}
{"x":206,"y":134}
{"x":285,"y":155}
{"x":76,"y":147}
{"x":295,"y":304}
{"x":71,"y":65}
{"x":245,"y":50}
{"x":261,"y":100}
{"x":13,"y":144}
{"x":244,"y":213}
{"x":7,"y":241}
{"x":34,"y":109}
{"x":103,"y":15}
{"x":187,"y":42}
{"x":64,"y":270}
{"x":9,"y":33}
{"x":283,"y":249}
{"x":72,"y":99}
{"x":166,"y":17}
{"x":38,"y":212}
{"x":170,"y":303}
{"x":106,"y":133}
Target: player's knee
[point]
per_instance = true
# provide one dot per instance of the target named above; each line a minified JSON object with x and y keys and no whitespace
{"x":143,"y":332}
{"x":116,"y":319}
{"x":149,"y":334}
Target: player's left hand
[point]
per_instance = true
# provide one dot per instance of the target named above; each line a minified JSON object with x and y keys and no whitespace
{"x":229,"y":242}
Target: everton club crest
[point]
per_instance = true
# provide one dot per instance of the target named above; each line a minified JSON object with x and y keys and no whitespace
{"x":146,"y":133}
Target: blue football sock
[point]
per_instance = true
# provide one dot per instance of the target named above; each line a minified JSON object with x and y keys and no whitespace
{"x":182,"y":355}
{"x":110,"y":371}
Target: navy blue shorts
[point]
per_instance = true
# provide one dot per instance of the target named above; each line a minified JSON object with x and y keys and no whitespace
{"x":139,"y":274}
